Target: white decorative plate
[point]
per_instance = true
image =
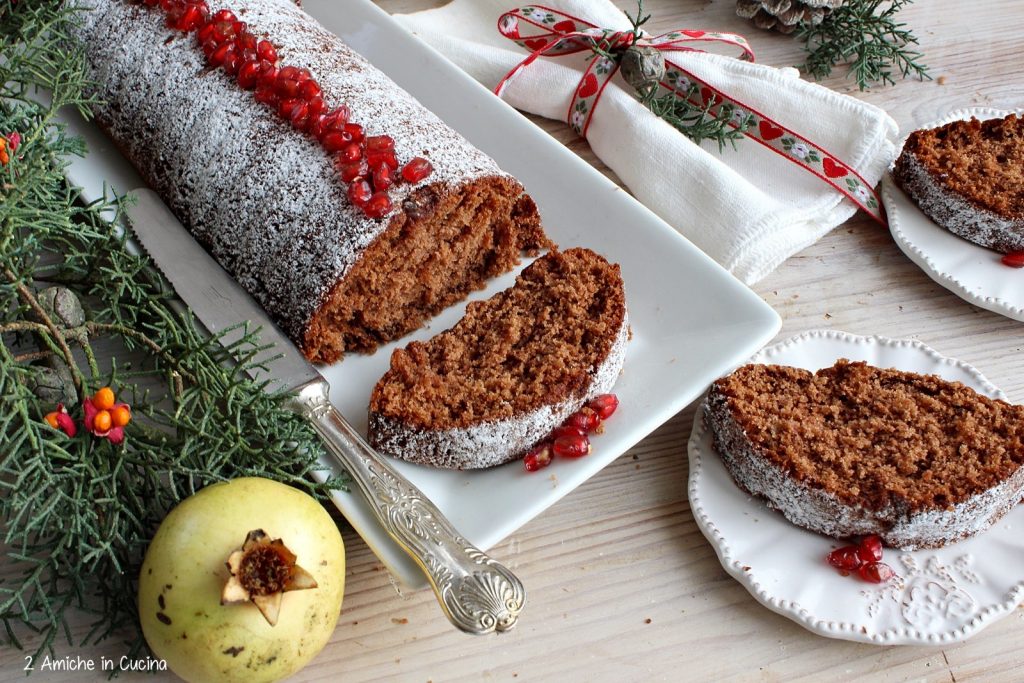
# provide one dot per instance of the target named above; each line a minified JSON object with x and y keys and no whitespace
{"x":690,"y":319}
{"x":972,"y":272}
{"x":939,"y":596}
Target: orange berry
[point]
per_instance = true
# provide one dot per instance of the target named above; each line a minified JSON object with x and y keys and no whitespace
{"x":103,"y":399}
{"x":101,"y":423}
{"x":51,"y":419}
{"x":121,"y":415}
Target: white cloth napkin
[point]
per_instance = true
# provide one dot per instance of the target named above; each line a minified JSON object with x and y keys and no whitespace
{"x":748,"y":209}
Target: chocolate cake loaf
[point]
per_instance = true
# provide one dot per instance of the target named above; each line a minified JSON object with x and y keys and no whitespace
{"x":854,"y":449}
{"x":968,"y":176}
{"x":282,"y":205}
{"x":516,"y":366}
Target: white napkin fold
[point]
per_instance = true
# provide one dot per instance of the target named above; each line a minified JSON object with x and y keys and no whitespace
{"x":748,"y":209}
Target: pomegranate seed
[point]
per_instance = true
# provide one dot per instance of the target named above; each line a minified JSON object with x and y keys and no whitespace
{"x":585,"y":419}
{"x":845,"y":559}
{"x":315,"y":124}
{"x":1015,"y":259}
{"x":223,"y":31}
{"x":355,"y":130}
{"x":359,"y":192}
{"x":266,"y":50}
{"x":266,"y":96}
{"x":350,"y":172}
{"x":350,"y":152}
{"x":247,"y":74}
{"x":205,"y":32}
{"x":876,"y":572}
{"x":187,"y":17}
{"x":566,"y":430}
{"x":334,"y":141}
{"x":382,"y":159}
{"x":604,"y":405}
{"x":225,"y":15}
{"x":316,"y":105}
{"x":286,"y":87}
{"x":309,"y":89}
{"x":299,"y":114}
{"x":378,"y":144}
{"x":221,"y":53}
{"x":287,"y":106}
{"x":870,"y":549}
{"x":571,"y":446}
{"x":416,"y":170}
{"x":383,"y":177}
{"x":302,"y":74}
{"x":246,"y":41}
{"x":291,"y":72}
{"x":339,"y":115}
{"x":538,"y":457}
{"x":239,"y":28}
{"x":170,"y":5}
{"x":232,"y":60}
{"x":378,"y":206}
{"x":268,"y":75}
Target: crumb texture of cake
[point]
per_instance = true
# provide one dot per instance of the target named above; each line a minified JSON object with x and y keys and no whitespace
{"x":267,"y":200}
{"x":854,"y":449}
{"x":516,"y":366}
{"x":968,"y":177}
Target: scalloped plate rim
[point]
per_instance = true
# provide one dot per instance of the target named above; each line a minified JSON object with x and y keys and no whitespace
{"x":801,"y":614}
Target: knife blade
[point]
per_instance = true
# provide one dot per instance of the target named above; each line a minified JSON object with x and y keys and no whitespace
{"x":478,"y":594}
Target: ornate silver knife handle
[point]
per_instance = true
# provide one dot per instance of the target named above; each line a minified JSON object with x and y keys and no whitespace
{"x":476,"y":593}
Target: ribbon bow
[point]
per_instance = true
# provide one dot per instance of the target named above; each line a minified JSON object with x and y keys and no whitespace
{"x":549,"y":32}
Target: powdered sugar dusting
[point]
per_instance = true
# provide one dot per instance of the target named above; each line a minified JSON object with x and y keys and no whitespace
{"x":953,"y":211}
{"x":262,"y":197}
{"x":819,"y":511}
{"x":493,"y":443}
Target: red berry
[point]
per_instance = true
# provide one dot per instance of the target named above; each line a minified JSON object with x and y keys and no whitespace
{"x":876,"y":572}
{"x":604,"y":405}
{"x":416,"y":170}
{"x":359,"y":192}
{"x":382,"y":159}
{"x":225,"y":15}
{"x":870,"y":549}
{"x":585,"y":418}
{"x":351,"y":171}
{"x":265,"y":49}
{"x":355,"y":130}
{"x":538,"y":457}
{"x":1015,"y":259}
{"x":378,"y":144}
{"x":845,"y":559}
{"x":383,"y":177}
{"x":378,"y":206}
{"x":571,"y":446}
{"x":350,"y":152}
{"x":248,"y":73}
{"x":309,"y":89}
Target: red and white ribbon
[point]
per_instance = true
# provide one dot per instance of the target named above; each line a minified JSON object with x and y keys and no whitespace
{"x":548,"y":32}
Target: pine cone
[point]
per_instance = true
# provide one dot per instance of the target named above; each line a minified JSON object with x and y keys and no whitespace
{"x":785,"y":15}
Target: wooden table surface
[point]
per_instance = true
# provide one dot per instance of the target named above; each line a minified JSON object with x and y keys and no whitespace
{"x":622,"y":584}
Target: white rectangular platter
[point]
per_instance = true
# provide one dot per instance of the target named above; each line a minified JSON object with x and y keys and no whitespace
{"x":691,"y":320}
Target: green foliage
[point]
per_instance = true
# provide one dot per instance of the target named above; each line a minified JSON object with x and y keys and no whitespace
{"x":867,"y":38}
{"x":77,"y":513}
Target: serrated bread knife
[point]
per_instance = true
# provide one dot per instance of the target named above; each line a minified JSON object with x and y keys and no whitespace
{"x":476,"y":593}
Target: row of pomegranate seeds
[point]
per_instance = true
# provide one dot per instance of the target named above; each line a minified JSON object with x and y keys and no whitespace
{"x":865,"y":558}
{"x":572,"y":438}
{"x":367,"y":163}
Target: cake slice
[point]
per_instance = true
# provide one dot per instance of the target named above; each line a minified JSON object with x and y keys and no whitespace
{"x":968,"y":177}
{"x":855,"y":449}
{"x":516,"y":366}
